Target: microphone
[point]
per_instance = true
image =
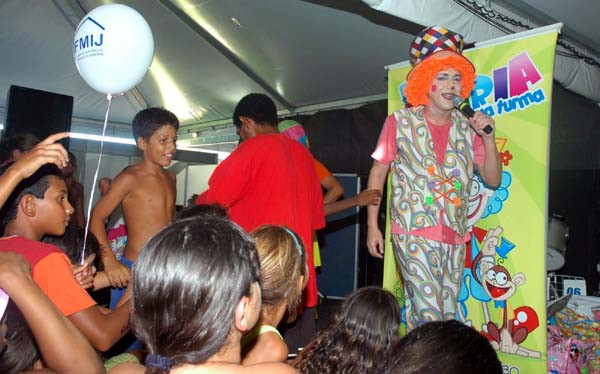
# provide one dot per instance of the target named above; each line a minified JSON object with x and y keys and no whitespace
{"x":464,"y":107}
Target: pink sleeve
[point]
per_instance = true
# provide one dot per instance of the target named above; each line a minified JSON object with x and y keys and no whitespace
{"x":385,"y":152}
{"x":478,"y":150}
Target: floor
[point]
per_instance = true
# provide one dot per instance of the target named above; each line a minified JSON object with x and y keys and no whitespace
{"x":326,"y":311}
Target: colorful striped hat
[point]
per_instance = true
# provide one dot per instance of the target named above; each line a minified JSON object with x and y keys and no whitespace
{"x":434,"y":39}
{"x":434,"y":49}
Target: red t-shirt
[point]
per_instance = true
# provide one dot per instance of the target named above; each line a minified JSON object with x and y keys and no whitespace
{"x":271,"y":179}
{"x":52,"y":272}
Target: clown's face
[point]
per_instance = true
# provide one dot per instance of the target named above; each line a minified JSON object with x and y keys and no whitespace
{"x":445,"y":86}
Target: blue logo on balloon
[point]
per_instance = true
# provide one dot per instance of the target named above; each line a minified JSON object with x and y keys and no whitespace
{"x":89,"y":40}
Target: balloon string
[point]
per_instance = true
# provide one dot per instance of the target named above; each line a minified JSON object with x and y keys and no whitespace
{"x":89,"y":211}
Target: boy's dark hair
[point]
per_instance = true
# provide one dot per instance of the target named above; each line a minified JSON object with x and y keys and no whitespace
{"x":361,"y":332}
{"x":72,"y":244}
{"x":35,"y":185}
{"x":147,"y":121}
{"x":21,"y":351}
{"x":72,"y":158}
{"x":258,"y":107}
{"x":203,"y":211}
{"x":23,"y":142}
{"x":187,"y":282}
{"x":443,"y":347}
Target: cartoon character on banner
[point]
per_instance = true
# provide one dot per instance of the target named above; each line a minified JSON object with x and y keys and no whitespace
{"x":401,"y":88}
{"x":113,"y":48}
{"x":483,"y":201}
{"x":486,"y":280}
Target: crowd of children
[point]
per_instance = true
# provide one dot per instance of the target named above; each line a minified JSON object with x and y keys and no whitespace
{"x":203,"y":296}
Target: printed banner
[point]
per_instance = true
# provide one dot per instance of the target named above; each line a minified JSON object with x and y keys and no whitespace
{"x":503,"y":287}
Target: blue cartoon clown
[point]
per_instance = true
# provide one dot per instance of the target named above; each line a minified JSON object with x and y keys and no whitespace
{"x":483,"y":201}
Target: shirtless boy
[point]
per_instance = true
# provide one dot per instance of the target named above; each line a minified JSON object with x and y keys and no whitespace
{"x":146,"y":192}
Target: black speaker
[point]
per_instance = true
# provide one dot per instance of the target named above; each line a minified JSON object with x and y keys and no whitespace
{"x":37,"y":112}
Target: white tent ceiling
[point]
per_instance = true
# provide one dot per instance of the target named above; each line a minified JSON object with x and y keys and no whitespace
{"x":577,"y":63}
{"x":307,"y":55}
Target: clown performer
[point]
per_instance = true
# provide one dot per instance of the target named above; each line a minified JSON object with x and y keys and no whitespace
{"x":432,"y":151}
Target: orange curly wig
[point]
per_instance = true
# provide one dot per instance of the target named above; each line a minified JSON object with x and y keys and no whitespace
{"x":420,"y":77}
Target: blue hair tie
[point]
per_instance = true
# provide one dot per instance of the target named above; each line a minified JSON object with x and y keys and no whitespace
{"x":298,"y":246}
{"x":161,"y":362}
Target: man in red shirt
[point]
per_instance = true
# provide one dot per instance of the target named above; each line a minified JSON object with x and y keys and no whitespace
{"x":269,"y":179}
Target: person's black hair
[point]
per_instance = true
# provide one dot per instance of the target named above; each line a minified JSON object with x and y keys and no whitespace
{"x":363,"y":329}
{"x":186,"y":283}
{"x":35,"y":185}
{"x":446,"y":347}
{"x":147,"y":121}
{"x":203,"y":211}
{"x":72,"y":158}
{"x":71,"y":243}
{"x":23,"y":142}
{"x":21,"y":351}
{"x":258,"y":107}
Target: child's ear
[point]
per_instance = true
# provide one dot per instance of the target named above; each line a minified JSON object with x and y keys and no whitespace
{"x":244,"y":120}
{"x":247,"y":123}
{"x":247,"y":310}
{"x":141,"y":143}
{"x":16,"y":154}
{"x":241,"y":316}
{"x":27,"y":205}
{"x":301,"y":283}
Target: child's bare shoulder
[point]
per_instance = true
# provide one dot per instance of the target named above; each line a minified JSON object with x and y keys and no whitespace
{"x":128,"y":368}
{"x":272,"y":347}
{"x":271,"y":367}
{"x":123,"y":183}
{"x":136,"y":173}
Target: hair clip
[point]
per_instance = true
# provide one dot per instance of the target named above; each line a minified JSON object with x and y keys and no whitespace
{"x":298,"y":246}
{"x":161,"y":362}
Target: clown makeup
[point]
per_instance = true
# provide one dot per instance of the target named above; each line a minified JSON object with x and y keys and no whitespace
{"x":446,"y":85}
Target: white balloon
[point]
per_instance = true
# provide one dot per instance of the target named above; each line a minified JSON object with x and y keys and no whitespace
{"x":113,"y":48}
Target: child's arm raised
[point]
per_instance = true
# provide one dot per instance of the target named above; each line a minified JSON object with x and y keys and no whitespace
{"x":44,"y":152}
{"x":53,"y":333}
{"x":117,"y":273}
